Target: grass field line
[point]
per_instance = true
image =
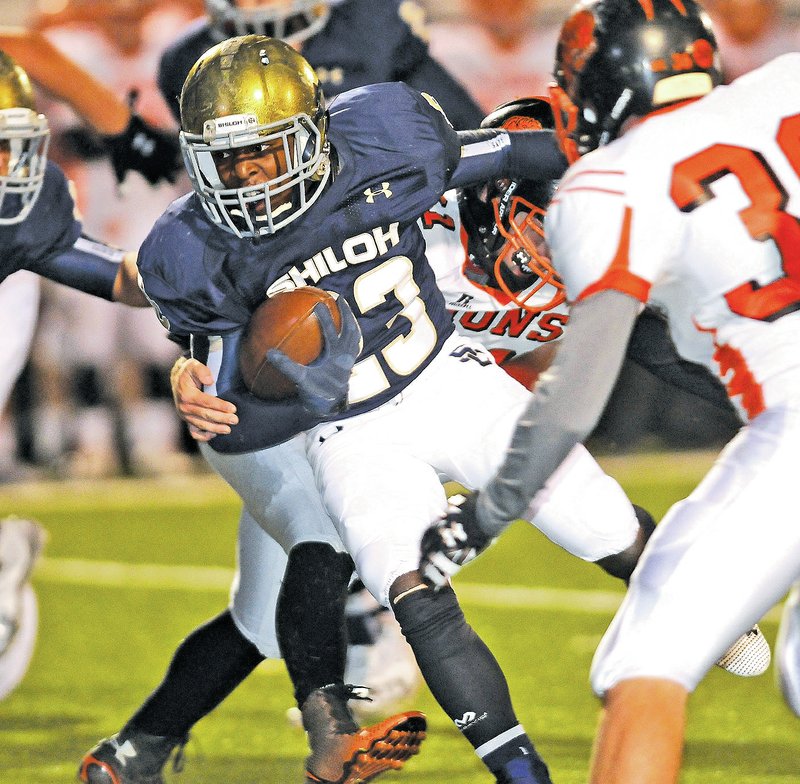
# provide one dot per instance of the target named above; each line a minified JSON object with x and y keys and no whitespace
{"x":115,"y":574}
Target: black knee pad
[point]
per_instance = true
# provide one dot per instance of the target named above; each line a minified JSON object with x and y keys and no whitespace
{"x":623,"y":563}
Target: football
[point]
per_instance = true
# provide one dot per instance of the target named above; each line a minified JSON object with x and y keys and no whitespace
{"x":287,"y":322}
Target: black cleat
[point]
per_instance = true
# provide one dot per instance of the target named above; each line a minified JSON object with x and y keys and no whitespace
{"x":130,"y":758}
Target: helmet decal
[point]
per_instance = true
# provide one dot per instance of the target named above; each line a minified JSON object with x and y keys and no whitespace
{"x":576,"y":44}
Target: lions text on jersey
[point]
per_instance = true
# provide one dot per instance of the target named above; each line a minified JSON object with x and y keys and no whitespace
{"x":482,"y":312}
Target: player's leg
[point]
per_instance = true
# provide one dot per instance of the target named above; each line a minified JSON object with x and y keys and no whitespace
{"x":205,"y":668}
{"x":581,"y":509}
{"x":21,"y":541}
{"x":281,"y":494}
{"x":718,"y":561}
{"x":626,"y":747}
{"x":383,"y":499}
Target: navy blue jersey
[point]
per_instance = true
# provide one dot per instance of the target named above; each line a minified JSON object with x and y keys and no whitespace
{"x":360,"y":239}
{"x":364,"y":42}
{"x":49,"y":229}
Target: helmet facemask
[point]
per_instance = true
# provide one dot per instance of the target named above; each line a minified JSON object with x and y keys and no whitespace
{"x":254,"y":136}
{"x":24,"y":139}
{"x":506,"y":241}
{"x":523,"y":268}
{"x":301,"y":162}
{"x":292,"y":21}
{"x":504,"y":221}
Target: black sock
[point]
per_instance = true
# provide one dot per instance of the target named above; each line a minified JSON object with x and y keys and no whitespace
{"x":460,"y":670}
{"x":207,"y":666}
{"x":310,"y":616}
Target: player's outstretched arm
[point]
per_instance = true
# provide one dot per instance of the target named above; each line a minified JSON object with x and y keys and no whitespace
{"x":126,"y":284}
{"x":132,"y":143}
{"x":206,"y":415}
{"x":65,"y":79}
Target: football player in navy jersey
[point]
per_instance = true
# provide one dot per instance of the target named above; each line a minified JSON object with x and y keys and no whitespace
{"x":359,"y":175}
{"x":332,"y":36}
{"x":39,"y":234}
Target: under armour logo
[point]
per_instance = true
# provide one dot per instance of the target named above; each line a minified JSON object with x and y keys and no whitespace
{"x":466,"y":353}
{"x":371,"y":193}
{"x":125,"y":752}
{"x":263,"y":56}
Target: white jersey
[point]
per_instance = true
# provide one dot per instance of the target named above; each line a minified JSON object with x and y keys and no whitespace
{"x":480,"y":312}
{"x":706,"y":229}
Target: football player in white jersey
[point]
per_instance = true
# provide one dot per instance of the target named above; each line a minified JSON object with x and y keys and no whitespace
{"x":683,"y":194}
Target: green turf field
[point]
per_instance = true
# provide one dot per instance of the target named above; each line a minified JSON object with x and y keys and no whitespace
{"x":132,"y":566}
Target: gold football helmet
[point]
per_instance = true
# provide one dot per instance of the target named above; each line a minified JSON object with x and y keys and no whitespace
{"x":253,"y":134}
{"x":24,"y":137}
{"x":290,"y":20}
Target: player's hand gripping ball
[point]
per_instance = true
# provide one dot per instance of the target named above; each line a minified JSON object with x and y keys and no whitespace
{"x":286,"y":322}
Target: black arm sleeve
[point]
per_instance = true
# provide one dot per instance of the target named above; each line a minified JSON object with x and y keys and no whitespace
{"x":89,"y":266}
{"x":651,"y":348}
{"x":491,"y":152}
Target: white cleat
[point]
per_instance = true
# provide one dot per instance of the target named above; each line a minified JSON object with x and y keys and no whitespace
{"x":787,"y":651}
{"x":748,"y":656}
{"x":21,"y":542}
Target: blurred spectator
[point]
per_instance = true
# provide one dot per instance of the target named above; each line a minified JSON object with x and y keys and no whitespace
{"x":114,"y":358}
{"x":751,"y":32}
{"x":496,"y":49}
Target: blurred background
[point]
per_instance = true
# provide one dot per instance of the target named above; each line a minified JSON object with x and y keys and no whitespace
{"x":94,"y":400}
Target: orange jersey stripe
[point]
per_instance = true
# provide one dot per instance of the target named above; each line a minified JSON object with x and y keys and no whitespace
{"x":618,"y":275}
{"x":742,"y":381}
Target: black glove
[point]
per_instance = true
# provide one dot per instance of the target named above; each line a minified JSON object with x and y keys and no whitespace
{"x":154,"y":153}
{"x":322,"y":385}
{"x":452,"y":542}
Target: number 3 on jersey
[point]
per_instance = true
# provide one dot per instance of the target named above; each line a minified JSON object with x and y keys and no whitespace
{"x":406,"y":352}
{"x":765,"y":218}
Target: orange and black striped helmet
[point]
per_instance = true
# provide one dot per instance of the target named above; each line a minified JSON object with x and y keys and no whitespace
{"x":621,"y":58}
